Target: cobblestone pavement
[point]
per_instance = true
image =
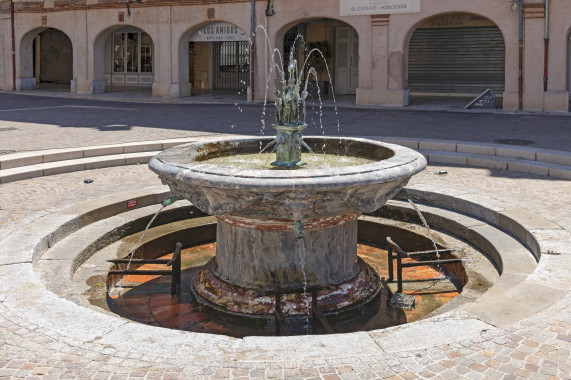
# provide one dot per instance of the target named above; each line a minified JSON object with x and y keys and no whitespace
{"x":538,"y":347}
{"x":37,"y":122}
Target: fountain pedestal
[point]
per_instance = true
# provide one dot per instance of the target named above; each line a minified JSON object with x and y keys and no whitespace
{"x":265,"y":255}
{"x":288,"y":146}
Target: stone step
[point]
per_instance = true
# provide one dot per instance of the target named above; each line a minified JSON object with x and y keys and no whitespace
{"x":73,"y":165}
{"x":27,"y":165}
{"x":485,"y":149}
{"x":498,"y":163}
{"x":20,"y":159}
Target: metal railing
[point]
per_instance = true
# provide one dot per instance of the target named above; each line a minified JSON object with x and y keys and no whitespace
{"x":400,"y":254}
{"x":175,"y":262}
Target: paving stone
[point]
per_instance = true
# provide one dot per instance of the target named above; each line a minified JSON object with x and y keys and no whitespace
{"x":56,"y":346}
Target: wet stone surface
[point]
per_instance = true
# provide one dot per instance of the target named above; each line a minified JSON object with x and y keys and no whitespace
{"x":147,"y":299}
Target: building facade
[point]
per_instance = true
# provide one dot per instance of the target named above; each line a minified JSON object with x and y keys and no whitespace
{"x":382,"y":51}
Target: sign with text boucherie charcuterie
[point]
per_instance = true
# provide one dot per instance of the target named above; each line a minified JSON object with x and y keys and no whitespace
{"x":377,"y":7}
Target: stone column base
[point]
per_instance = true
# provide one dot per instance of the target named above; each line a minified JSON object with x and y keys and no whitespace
{"x":397,"y":98}
{"x":177,"y":90}
{"x":26,"y":83}
{"x":245,"y":307}
{"x":511,"y":101}
{"x":97,"y":87}
{"x":556,"y":101}
{"x":171,"y":90}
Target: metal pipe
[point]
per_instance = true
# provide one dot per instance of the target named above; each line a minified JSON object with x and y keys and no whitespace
{"x":252,"y":51}
{"x":520,"y":79}
{"x":546,"y":54}
{"x":13,"y":46}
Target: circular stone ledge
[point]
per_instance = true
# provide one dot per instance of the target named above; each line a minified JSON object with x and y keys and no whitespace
{"x":23,"y":293}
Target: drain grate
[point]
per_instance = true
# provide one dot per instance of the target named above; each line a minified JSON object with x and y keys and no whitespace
{"x":8,"y":129}
{"x":514,"y":142}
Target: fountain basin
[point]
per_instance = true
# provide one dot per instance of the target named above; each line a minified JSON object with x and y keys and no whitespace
{"x":286,"y":229}
{"x":287,"y":194}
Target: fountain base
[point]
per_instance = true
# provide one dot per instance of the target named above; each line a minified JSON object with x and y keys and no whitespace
{"x":234,"y":304}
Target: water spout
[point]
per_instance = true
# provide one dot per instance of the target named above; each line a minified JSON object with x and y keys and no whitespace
{"x":170,"y":200}
{"x":299,"y":229}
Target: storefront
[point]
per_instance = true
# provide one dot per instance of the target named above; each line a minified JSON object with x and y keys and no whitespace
{"x":337,"y":61}
{"x":382,"y":51}
{"x":456,"y":54}
{"x":219,"y":57}
{"x":53,"y":61}
{"x":129,"y":60}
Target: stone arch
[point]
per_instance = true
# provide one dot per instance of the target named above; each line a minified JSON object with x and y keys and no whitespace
{"x":102,"y":55}
{"x":59,"y":55}
{"x":446,"y":53}
{"x":500,"y":14}
{"x":185,"y":60}
{"x":568,"y":60}
{"x":343,"y":43}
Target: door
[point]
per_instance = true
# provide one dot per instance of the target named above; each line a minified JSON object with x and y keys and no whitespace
{"x":569,"y":65}
{"x":132,"y":54}
{"x":231,"y":65}
{"x":56,"y":57}
{"x":346,"y":60}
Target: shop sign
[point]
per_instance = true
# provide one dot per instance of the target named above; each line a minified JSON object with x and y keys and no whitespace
{"x":486,"y":100}
{"x":376,"y":7}
{"x":219,"y":31}
{"x":455,"y":20}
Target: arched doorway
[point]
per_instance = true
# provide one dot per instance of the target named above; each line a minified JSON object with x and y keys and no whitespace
{"x":339,"y":44}
{"x":46,"y":60}
{"x":219,"y":58}
{"x":569,"y":63}
{"x":128,"y":59}
{"x":456,"y":54}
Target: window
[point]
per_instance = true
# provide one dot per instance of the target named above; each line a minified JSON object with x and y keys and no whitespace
{"x":146,"y":53}
{"x":118,"y":52}
{"x":132,"y":52}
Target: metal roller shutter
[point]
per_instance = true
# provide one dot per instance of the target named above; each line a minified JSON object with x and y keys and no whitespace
{"x":456,"y":60}
{"x":56,"y":57}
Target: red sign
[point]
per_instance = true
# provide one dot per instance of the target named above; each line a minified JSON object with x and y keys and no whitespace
{"x":132,"y":203}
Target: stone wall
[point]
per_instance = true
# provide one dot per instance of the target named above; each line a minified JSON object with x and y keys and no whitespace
{"x":383,"y":42}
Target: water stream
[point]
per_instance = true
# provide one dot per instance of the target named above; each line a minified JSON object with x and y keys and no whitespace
{"x":165,"y":203}
{"x":425,"y":225}
{"x":307,"y":325}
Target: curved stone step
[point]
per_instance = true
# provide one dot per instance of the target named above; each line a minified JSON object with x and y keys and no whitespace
{"x":26,"y":165}
{"x":67,"y":166}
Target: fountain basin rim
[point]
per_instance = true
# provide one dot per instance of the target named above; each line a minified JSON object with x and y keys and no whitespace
{"x":405,"y":162}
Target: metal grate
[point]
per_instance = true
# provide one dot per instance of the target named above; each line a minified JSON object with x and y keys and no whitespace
{"x":231,"y":65}
{"x":457,"y":60}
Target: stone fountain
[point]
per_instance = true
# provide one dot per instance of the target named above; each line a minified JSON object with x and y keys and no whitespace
{"x":284,"y":236}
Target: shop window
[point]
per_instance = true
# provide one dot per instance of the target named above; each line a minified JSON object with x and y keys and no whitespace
{"x":132,"y":52}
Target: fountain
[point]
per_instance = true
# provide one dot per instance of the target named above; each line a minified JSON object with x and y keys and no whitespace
{"x":287,"y":233}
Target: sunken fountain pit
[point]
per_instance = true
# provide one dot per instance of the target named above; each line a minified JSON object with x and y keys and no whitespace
{"x":284,"y":236}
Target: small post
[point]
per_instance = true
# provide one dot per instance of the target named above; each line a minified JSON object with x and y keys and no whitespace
{"x":313,"y":310}
{"x":281,"y":325}
{"x":390,"y":260}
{"x":176,"y":263}
{"x":399,"y":273}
